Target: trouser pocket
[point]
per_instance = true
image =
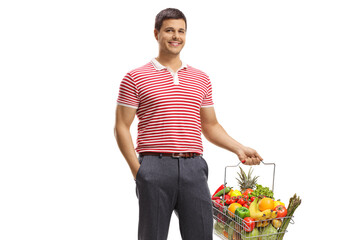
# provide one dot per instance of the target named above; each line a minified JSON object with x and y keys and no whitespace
{"x":206,"y":167}
{"x":141,"y":160}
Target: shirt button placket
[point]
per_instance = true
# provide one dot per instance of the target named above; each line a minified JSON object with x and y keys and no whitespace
{"x":175,"y":76}
{"x":176,"y":79}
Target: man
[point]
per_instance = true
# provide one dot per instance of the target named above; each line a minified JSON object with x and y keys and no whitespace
{"x":173,"y":102}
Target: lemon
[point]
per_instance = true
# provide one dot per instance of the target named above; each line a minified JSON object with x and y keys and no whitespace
{"x":278,"y":203}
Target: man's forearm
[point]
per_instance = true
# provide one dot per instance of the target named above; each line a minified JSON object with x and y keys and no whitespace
{"x":126,"y":146}
{"x":217,"y":135}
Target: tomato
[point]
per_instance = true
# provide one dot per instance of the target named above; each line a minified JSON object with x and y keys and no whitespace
{"x":241,"y":201}
{"x":248,"y":191}
{"x":252,"y":199}
{"x":246,"y":205}
{"x":245,"y":196}
{"x":281,"y":211}
{"x":249,"y":224}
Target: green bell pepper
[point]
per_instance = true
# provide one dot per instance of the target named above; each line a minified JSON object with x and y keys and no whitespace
{"x":242,"y":212}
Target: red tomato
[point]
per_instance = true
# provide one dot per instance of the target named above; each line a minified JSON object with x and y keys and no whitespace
{"x":248,"y":191}
{"x":241,"y":201}
{"x":246,"y":205}
{"x":281,"y":211}
{"x":252,"y":199}
{"x":246,"y":196}
{"x":249,"y":224}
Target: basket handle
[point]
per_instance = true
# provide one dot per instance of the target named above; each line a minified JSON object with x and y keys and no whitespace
{"x":239,"y":164}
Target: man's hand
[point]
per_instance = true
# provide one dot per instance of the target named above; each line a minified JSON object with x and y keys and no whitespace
{"x":249,"y":156}
{"x":216,"y":134}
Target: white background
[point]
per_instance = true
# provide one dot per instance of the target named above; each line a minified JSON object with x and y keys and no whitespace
{"x":285,"y":78}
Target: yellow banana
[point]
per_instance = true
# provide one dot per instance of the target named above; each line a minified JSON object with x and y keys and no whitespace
{"x":274,"y":214}
{"x":261,"y":217}
{"x":268,"y":213}
{"x":262,"y":224}
{"x":254,"y":210}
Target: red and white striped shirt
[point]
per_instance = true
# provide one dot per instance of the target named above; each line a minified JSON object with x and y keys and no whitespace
{"x":168,"y":106}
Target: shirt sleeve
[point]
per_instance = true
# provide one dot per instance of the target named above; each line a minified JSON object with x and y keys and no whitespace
{"x":128,"y":94}
{"x":208,"y":101}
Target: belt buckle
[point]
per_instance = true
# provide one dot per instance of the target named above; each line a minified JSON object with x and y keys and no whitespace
{"x":176,"y":155}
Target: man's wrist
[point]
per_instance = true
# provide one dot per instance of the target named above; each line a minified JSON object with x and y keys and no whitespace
{"x":239,"y":150}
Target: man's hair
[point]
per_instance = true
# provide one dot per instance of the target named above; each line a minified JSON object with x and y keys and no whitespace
{"x":168,"y":13}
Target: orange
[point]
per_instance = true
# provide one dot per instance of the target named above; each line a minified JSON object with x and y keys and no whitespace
{"x":266,"y":203}
{"x":232,"y":208}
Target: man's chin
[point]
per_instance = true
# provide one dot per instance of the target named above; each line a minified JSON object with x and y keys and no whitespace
{"x":173,"y":53}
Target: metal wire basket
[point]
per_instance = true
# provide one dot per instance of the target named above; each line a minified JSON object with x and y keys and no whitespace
{"x":228,"y":226}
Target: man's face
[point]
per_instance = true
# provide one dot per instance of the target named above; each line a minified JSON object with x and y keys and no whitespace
{"x":171,"y":37}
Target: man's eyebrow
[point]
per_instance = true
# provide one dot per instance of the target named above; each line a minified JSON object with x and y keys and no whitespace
{"x":173,"y":28}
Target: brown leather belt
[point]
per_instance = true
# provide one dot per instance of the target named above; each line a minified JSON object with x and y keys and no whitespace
{"x":174,"y":155}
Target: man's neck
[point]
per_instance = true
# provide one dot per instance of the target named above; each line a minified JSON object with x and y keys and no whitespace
{"x":172,"y":62}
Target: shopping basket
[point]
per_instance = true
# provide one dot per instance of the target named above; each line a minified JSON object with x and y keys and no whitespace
{"x":228,"y":226}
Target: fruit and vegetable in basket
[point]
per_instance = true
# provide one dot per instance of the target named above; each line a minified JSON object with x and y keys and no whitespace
{"x":246,"y":181}
{"x":249,"y":224}
{"x":232,"y":208}
{"x":242,"y":212}
{"x":276,"y":203}
{"x":266,"y":203}
{"x":251,"y":211}
{"x":281,"y":210}
{"x":270,"y":233}
{"x":253,"y":235}
{"x":221,"y":192}
{"x":276,"y":223}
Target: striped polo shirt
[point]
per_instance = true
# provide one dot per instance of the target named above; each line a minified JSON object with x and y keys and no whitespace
{"x":168,"y":106}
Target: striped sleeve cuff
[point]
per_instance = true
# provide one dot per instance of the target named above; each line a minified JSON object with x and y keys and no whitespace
{"x":126,"y":105}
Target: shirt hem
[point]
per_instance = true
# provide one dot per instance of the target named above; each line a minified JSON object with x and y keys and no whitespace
{"x":168,"y":151}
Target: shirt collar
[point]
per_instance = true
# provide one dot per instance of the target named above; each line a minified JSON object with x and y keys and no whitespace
{"x":158,"y":66}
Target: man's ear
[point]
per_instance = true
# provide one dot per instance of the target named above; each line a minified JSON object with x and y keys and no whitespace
{"x":156,"y":34}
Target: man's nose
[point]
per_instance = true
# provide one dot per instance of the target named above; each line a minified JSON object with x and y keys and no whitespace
{"x":176,"y":35}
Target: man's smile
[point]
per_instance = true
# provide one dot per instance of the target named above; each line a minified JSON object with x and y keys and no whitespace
{"x":175,"y":44}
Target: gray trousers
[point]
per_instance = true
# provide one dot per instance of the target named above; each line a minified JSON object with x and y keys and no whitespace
{"x":164,"y":184}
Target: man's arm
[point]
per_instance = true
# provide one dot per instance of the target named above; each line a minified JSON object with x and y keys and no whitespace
{"x":124,"y":119}
{"x":216,"y":134}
